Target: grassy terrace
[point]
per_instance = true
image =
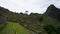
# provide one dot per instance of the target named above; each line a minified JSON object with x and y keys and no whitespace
{"x":14,"y":28}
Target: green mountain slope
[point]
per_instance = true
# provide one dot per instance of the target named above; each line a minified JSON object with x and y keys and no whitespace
{"x":47,"y":23}
{"x":14,"y":28}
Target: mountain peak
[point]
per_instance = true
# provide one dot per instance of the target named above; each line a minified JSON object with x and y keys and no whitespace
{"x":52,"y":11}
{"x":51,"y":5}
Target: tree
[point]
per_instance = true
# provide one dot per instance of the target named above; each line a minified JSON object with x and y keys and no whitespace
{"x":50,"y":29}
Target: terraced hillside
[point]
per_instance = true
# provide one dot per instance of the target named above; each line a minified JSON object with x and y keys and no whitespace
{"x":14,"y":28}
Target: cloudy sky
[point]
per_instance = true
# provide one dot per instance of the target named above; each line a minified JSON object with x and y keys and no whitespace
{"x":35,"y":6}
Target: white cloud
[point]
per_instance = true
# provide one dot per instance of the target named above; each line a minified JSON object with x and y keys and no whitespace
{"x":38,"y":6}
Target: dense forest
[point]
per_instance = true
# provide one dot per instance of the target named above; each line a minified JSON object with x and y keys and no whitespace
{"x":47,"y":23}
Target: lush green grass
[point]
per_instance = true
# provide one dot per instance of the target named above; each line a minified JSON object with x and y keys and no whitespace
{"x":14,"y":28}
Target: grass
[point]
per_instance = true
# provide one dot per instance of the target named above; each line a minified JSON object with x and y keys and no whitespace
{"x":14,"y":28}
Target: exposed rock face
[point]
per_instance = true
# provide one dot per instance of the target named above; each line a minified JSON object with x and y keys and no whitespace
{"x":54,"y":12}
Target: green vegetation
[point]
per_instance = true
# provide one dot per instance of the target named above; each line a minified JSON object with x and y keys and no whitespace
{"x":13,"y":28}
{"x":19,"y":23}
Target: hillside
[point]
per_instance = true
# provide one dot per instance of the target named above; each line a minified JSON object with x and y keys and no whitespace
{"x":47,"y":23}
{"x":14,"y":28}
